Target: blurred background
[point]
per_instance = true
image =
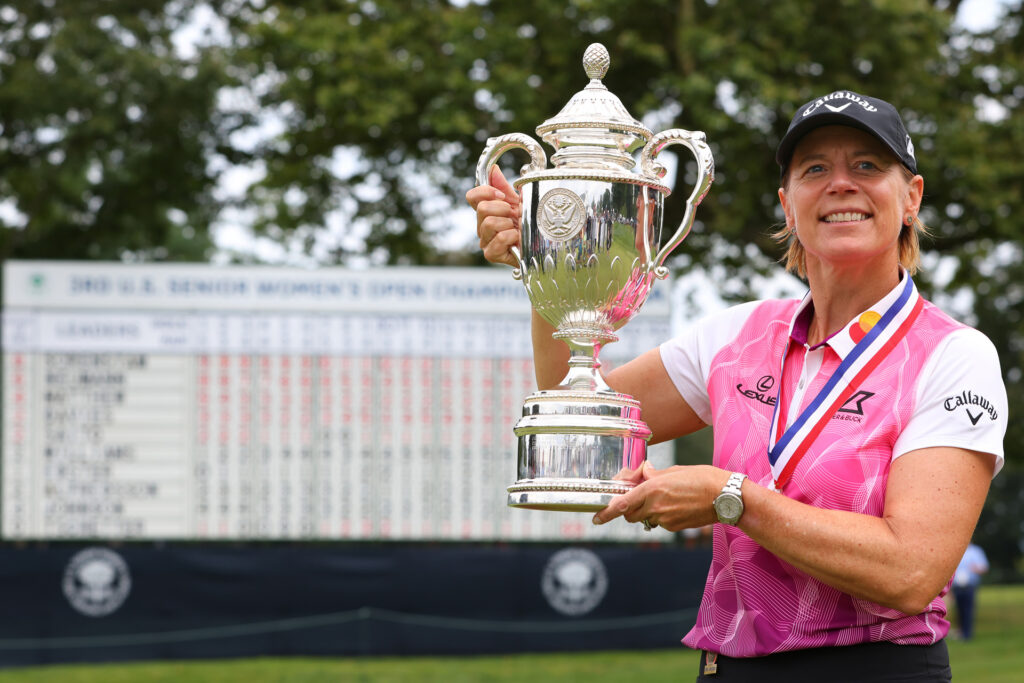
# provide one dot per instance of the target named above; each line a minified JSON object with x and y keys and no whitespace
{"x":337,"y":138}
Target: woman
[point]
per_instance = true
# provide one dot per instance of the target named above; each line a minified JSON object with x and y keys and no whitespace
{"x":848,"y":485}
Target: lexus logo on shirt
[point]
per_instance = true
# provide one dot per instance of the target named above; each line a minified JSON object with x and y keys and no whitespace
{"x":761,"y":392}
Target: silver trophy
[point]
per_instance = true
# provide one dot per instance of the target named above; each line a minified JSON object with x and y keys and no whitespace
{"x":589,"y":253}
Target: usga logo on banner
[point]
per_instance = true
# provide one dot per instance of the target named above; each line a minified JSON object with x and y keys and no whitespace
{"x":96,"y":582}
{"x":574,"y":581}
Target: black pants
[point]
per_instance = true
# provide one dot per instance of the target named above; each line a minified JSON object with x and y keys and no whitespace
{"x":868,"y":662}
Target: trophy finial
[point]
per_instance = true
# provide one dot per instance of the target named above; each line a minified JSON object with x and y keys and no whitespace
{"x":596,"y":61}
{"x":593,"y":129}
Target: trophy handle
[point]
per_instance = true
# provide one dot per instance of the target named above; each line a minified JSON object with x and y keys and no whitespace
{"x":695,"y":141}
{"x":489,"y":157}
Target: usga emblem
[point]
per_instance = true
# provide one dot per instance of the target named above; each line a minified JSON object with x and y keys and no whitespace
{"x":561,"y":214}
{"x":96,"y":582}
{"x":574,"y":581}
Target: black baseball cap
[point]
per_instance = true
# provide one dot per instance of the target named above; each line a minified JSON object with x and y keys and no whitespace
{"x":846,"y":108}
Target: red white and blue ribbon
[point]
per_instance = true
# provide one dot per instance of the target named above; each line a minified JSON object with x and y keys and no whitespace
{"x":785,"y":452}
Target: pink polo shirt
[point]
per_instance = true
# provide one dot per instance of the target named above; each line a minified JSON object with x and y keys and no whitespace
{"x":941,"y":386}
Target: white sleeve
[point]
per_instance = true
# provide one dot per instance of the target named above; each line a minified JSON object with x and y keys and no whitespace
{"x":687,"y":357}
{"x":961,"y":399}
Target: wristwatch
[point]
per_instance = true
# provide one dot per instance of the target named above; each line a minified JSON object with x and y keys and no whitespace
{"x":729,"y":503}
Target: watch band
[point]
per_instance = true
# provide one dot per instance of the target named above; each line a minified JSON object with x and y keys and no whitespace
{"x":735,"y":483}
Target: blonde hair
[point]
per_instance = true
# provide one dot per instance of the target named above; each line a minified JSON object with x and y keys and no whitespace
{"x":795,"y":258}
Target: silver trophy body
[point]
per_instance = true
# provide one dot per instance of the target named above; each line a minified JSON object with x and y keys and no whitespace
{"x":589,"y":254}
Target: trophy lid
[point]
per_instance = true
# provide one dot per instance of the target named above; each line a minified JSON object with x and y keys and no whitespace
{"x":594,"y":130}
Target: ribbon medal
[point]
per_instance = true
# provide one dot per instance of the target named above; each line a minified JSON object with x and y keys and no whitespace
{"x":875,"y":335}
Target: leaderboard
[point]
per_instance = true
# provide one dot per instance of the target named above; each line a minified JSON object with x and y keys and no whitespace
{"x":263,"y":403}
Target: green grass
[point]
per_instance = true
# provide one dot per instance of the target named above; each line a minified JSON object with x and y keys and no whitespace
{"x":996,"y":655}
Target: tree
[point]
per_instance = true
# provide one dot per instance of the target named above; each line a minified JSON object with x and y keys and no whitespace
{"x":980,"y":233}
{"x":415,"y":87}
{"x":108,"y":135}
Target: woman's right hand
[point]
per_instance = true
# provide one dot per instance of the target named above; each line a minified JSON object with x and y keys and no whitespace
{"x":497,"y":218}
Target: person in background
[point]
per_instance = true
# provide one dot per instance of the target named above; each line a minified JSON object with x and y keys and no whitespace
{"x":845,"y":490}
{"x":965,"y":587}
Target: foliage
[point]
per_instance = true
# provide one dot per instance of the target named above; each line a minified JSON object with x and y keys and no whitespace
{"x":980,"y":232}
{"x":418,"y":86}
{"x":107,"y":135}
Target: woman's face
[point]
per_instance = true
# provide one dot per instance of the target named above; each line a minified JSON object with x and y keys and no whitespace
{"x":847,"y":197}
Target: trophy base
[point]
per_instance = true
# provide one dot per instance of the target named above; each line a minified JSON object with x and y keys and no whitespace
{"x":567,"y":495}
{"x":577,"y":450}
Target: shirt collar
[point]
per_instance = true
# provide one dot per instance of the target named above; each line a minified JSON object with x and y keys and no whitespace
{"x":841,"y":342}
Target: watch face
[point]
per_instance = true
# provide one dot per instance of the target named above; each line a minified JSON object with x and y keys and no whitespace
{"x":729,"y":507}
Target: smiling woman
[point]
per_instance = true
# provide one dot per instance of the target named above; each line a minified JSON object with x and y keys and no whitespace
{"x":848,"y":485}
{"x":850,"y":207}
{"x":869,"y":147}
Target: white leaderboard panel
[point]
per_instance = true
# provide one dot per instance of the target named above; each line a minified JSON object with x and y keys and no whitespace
{"x":202,"y":402}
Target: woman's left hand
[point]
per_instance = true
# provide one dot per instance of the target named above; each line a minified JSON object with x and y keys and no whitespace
{"x":678,"y":497}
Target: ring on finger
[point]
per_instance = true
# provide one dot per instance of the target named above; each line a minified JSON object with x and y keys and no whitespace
{"x":648,"y":524}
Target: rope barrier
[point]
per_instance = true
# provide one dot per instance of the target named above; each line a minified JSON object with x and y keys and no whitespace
{"x":363,"y":614}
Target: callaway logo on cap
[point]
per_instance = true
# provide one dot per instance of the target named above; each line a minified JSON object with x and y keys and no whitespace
{"x":845,"y":108}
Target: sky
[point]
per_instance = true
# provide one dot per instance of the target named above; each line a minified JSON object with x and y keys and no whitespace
{"x":981,"y":15}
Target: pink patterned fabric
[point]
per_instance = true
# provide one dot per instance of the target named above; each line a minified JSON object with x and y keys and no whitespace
{"x":754,"y":603}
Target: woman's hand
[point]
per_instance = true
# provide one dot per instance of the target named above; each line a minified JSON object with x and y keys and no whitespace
{"x":497,"y":218}
{"x":678,"y":497}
